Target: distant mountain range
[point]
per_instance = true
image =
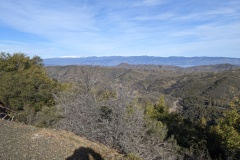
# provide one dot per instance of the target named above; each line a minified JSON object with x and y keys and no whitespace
{"x":116,"y":60}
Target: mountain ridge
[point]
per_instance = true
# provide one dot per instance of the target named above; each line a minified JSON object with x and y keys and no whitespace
{"x":116,"y":60}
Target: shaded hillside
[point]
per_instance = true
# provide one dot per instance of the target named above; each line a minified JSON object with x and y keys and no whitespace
{"x":116,"y":60}
{"x":212,"y":68}
{"x":21,"y":142}
{"x":223,"y":85}
{"x":206,"y":94}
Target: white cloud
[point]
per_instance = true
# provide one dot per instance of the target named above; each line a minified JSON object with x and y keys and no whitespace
{"x":31,"y":17}
{"x":106,"y":28}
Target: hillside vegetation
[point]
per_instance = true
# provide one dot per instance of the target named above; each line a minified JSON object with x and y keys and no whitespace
{"x":215,"y":85}
{"x":26,"y":90}
{"x":143,"y":111}
{"x":200,"y":95}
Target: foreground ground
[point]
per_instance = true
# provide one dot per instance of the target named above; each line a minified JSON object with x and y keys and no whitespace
{"x":21,"y":142}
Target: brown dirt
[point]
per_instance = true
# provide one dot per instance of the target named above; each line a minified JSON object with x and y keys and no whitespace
{"x":24,"y":142}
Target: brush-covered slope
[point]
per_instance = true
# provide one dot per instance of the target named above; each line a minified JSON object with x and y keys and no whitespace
{"x":204,"y":91}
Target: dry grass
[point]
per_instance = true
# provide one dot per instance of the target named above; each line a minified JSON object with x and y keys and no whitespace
{"x":21,"y":142}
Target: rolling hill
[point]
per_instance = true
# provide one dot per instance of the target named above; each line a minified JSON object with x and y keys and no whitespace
{"x":208,"y":89}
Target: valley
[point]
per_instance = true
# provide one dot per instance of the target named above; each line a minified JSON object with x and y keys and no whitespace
{"x":208,"y":87}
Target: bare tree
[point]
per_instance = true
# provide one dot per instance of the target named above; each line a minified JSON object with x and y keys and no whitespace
{"x":117,"y":122}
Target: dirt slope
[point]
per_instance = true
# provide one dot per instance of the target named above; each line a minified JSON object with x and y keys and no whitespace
{"x":23,"y":142}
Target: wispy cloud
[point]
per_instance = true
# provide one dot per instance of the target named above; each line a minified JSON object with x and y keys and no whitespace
{"x":141,"y":27}
{"x":163,"y":16}
{"x":29,"y":16}
{"x":152,"y":2}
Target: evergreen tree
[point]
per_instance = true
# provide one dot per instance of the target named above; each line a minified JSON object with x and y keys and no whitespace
{"x":24,"y":83}
{"x":227,"y":131}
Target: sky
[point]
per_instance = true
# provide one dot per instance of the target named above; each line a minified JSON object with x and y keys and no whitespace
{"x":83,"y":28}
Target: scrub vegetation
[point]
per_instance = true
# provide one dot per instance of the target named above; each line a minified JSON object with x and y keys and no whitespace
{"x":144,"y":112}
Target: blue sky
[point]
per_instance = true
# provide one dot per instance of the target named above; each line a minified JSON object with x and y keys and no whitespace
{"x":56,"y":28}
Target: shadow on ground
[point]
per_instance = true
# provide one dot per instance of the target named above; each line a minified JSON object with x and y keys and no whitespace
{"x":83,"y":153}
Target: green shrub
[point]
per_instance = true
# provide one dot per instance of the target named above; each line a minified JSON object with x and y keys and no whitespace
{"x":25,"y":86}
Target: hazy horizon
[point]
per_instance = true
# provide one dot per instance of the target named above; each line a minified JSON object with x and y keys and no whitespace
{"x":144,"y":56}
{"x":159,"y":28}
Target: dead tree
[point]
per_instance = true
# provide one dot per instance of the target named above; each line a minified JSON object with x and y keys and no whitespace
{"x":117,"y":122}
